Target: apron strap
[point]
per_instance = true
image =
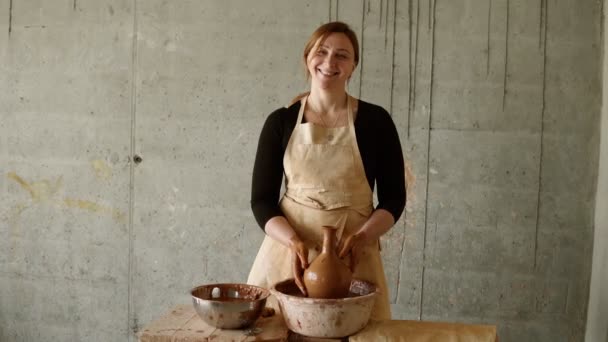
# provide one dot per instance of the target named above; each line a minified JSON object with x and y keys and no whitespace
{"x":301,"y":112}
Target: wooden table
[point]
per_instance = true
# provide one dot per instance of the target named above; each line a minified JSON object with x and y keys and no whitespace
{"x":419,"y":331}
{"x":182,"y":324}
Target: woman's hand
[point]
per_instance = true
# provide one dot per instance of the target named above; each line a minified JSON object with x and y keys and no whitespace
{"x":378,"y":223}
{"x":352,"y":245}
{"x":299,"y":261}
{"x":279,"y":229}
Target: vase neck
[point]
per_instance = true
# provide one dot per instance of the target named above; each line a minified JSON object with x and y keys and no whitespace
{"x":329,"y":239}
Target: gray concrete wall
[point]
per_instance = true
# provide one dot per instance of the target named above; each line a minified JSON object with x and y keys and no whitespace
{"x":597,"y":316}
{"x":497,"y":103}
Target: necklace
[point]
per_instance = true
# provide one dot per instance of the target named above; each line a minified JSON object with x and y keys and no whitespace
{"x":324,"y":123}
{"x":335,"y":120}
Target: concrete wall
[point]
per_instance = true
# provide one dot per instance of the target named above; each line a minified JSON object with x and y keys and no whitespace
{"x":497,"y":103}
{"x":597,"y":317}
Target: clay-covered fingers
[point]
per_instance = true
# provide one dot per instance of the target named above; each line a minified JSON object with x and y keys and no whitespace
{"x":353,"y":260}
{"x":346,"y":245}
{"x":299,"y":261}
{"x":351,"y":246}
{"x":299,"y":250}
{"x":298,"y":273}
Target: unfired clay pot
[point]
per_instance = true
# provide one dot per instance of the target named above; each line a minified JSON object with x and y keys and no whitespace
{"x":327,"y":276}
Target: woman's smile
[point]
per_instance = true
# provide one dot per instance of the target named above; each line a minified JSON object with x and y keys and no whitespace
{"x":327,"y":73}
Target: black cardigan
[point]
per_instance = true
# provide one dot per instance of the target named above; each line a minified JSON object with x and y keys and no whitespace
{"x":378,"y":143}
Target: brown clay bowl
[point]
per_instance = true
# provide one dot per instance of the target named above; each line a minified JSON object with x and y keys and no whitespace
{"x":229,"y":306}
{"x":326,"y":318}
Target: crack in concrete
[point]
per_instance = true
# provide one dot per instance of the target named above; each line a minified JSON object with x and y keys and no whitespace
{"x":506,"y":70}
{"x":380,"y":15}
{"x":430,"y":2}
{"x":393,"y":57}
{"x":386,"y":26}
{"x":428,"y":154}
{"x":488,"y":38}
{"x":409,"y":66}
{"x":542,"y":131}
{"x":131,"y":314}
{"x":10,"y":17}
{"x":362,"y":46}
{"x":337,"y":8}
{"x":413,"y":67}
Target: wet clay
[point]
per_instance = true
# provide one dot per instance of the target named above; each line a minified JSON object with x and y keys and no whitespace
{"x":230,"y":292}
{"x":232,"y":299}
{"x":294,"y":291}
{"x":358,"y":288}
{"x":327,"y":276}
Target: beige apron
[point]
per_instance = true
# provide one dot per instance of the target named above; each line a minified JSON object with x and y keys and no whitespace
{"x":325,"y":185}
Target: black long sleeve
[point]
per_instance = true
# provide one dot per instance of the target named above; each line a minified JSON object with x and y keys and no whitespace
{"x":378,"y":143}
{"x":268,"y":167}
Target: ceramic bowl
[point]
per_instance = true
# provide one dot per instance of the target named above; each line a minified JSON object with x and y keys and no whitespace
{"x":326,"y":318}
{"x":229,"y":306}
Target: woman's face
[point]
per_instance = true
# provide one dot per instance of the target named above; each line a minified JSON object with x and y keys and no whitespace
{"x":332,"y":62}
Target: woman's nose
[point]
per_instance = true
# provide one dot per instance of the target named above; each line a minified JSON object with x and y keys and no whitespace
{"x":331,"y":60}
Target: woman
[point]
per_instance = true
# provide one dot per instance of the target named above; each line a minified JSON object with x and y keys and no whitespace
{"x":332,"y":149}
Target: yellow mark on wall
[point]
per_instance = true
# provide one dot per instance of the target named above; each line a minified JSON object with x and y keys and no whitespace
{"x":410,"y":184}
{"x":13,"y":217}
{"x":42,"y":193}
{"x":21,"y":182}
{"x":102,"y":170}
{"x":44,"y":190}
{"x":39,"y":191}
{"x":94,"y":207}
{"x":410,"y":179}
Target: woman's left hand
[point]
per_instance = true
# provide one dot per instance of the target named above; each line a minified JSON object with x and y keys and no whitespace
{"x":352,"y":244}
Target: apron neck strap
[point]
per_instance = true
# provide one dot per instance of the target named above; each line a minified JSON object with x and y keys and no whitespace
{"x":301,"y":112}
{"x":349,"y":109}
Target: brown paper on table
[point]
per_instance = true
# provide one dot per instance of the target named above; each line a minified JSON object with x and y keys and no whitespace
{"x":417,"y":331}
{"x":182,"y":324}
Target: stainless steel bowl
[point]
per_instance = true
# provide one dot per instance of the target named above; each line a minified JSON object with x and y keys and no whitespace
{"x":229,"y":306}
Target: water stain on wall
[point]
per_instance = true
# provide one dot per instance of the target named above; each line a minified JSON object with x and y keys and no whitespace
{"x":95,"y":207}
{"x":45,"y":192}
{"x":410,"y":183}
{"x":39,"y":191}
{"x":101,"y":169}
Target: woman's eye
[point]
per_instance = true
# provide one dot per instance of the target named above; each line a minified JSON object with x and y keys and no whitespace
{"x":320,"y":52}
{"x":342,"y":56}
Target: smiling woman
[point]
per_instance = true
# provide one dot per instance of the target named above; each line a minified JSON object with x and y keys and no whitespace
{"x":330,"y":57}
{"x":333,"y":150}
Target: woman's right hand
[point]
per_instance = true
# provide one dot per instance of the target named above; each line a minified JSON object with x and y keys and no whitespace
{"x":279,"y":229}
{"x":299,"y":261}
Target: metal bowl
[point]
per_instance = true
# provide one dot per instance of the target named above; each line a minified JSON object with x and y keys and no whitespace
{"x":327,"y":318}
{"x":229,"y":306}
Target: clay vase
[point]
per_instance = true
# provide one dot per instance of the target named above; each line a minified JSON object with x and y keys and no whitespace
{"x":327,"y":276}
